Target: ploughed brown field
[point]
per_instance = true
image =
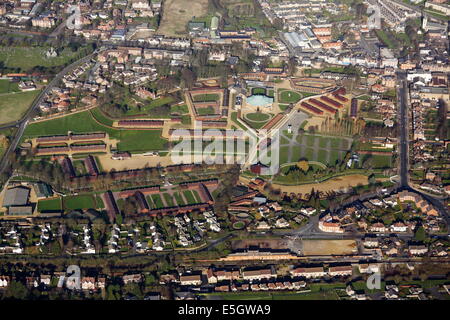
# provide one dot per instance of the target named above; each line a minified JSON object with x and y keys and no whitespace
{"x":177,"y":14}
{"x":328,"y":247}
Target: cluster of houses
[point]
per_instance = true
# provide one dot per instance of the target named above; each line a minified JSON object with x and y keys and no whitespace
{"x":393,"y":246}
{"x":17,"y":14}
{"x":11,"y":242}
{"x":336,"y":221}
{"x":56,"y":100}
{"x":268,"y":278}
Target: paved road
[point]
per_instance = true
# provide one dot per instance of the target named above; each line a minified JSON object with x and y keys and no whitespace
{"x":403,"y":100}
{"x":403,"y":129}
{"x":21,"y":124}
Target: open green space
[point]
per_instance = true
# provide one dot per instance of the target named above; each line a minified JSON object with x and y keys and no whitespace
{"x":196,"y":196}
{"x":14,"y":105}
{"x":79,"y":202}
{"x":82,"y":122}
{"x":179,"y":199}
{"x":157,"y":201}
{"x":288,"y":96}
{"x":169,"y":200}
{"x":206,"y":111}
{"x":50,"y":205}
{"x":7,"y":86}
{"x":283,"y":106}
{"x":257,"y":116}
{"x":26,"y":58}
{"x":189,"y":197}
{"x":180,"y":109}
{"x":328,"y":151}
{"x":207,"y":97}
{"x":101,"y":117}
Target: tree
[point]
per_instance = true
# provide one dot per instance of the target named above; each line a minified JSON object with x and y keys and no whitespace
{"x":420,"y":234}
{"x":292,"y":66}
{"x":16,"y":290}
{"x":188,"y":77}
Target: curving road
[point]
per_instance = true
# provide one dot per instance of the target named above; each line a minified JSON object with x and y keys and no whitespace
{"x":21,"y":124}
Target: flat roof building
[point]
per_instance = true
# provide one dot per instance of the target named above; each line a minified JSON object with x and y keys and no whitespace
{"x":17,"y":196}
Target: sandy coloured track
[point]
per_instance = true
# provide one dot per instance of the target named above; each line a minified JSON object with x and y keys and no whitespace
{"x":335,"y":184}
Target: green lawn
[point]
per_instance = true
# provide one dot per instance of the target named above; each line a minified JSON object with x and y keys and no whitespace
{"x":189,"y":197}
{"x":258,"y":91}
{"x":14,"y":105}
{"x":181,"y":109}
{"x":79,"y":202}
{"x":381,"y":161}
{"x":169,"y":200}
{"x":154,"y":108}
{"x":179,"y":199}
{"x":283,"y":106}
{"x":196,"y":196}
{"x":7,"y":86}
{"x":206,"y":111}
{"x":288,"y":96}
{"x":49,"y":205}
{"x":130,"y":140}
{"x":284,"y":154}
{"x":100,"y":117}
{"x":156,"y":198}
{"x":25,"y":58}
{"x":208,"y":97}
{"x":257,"y":116}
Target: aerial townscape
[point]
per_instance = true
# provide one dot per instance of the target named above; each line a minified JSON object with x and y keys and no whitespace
{"x":224,"y":150}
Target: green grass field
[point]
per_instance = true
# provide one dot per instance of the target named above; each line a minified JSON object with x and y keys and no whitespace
{"x":257,"y":116}
{"x":14,"y":105}
{"x":288,"y":96}
{"x":49,"y":205}
{"x":181,"y":109}
{"x":7,"y":86}
{"x":100,"y":117}
{"x":25,"y":58}
{"x":179,"y":199}
{"x":169,"y":200}
{"x":283,"y":106}
{"x":258,"y":91}
{"x":79,"y":202}
{"x":189,"y":196}
{"x":314,"y":148}
{"x":257,"y":120}
{"x":157,"y":201}
{"x":208,"y":97}
{"x":382,"y":161}
{"x":130,"y":140}
{"x":205,"y":111}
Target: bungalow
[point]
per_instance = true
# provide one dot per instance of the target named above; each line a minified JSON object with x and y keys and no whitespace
{"x":308,"y":272}
{"x":308,"y":211}
{"x":191,"y":280}
{"x":340,"y":271}
{"x":132,"y":278}
{"x":399,"y":227}
{"x":378,"y":227}
{"x":417,"y":250}
{"x":368,"y":267}
{"x":370,"y":242}
{"x":258,"y":274}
